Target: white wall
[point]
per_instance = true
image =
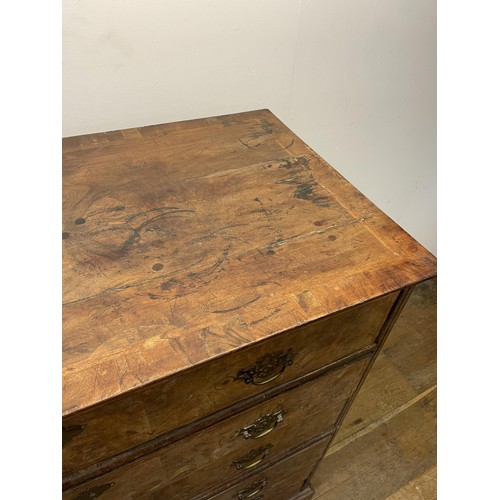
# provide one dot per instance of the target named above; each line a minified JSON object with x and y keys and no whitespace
{"x":356,"y":79}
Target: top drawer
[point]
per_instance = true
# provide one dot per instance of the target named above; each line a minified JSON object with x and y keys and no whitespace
{"x":139,"y":416}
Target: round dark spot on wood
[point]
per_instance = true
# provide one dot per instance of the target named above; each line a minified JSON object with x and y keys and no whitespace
{"x":65,"y":236}
{"x":157,"y":267}
{"x":318,"y":223}
{"x":270,"y":252}
{"x":358,"y":421}
{"x":80,"y":221}
{"x":332,"y":237}
{"x":157,"y":243}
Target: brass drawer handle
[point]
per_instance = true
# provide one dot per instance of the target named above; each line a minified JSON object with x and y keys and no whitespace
{"x":267,"y":368}
{"x":253,"y":458}
{"x":252,"y":490}
{"x":91,"y":493}
{"x":68,"y":433}
{"x":263,"y":425}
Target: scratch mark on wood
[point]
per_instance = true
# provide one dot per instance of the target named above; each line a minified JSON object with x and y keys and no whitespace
{"x":181,"y":349}
{"x":99,"y":267}
{"x":276,"y":311}
{"x":136,"y":232}
{"x":222,"y":311}
{"x":119,"y":208}
{"x":247,"y":145}
{"x":157,"y":209}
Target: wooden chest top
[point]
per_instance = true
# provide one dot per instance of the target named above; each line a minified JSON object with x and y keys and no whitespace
{"x":185,"y":241}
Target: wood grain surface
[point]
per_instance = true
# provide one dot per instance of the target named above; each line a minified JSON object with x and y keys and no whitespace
{"x":145,"y":480}
{"x":284,"y":479}
{"x":364,"y":469}
{"x":201,"y":461}
{"x":404,"y":369}
{"x":390,"y":404}
{"x":184,"y":398}
{"x":187,"y":241}
{"x":424,"y":487}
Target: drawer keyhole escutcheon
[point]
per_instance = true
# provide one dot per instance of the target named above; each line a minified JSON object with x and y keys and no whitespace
{"x":267,"y":368}
{"x":252,"y":490}
{"x":263,"y":425}
{"x":253,"y":458}
{"x":92,"y":493}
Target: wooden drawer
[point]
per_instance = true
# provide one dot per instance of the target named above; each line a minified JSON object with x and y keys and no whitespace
{"x":279,"y":482}
{"x":268,"y":488}
{"x":209,"y":457}
{"x":144,"y":480}
{"x":106,"y":430}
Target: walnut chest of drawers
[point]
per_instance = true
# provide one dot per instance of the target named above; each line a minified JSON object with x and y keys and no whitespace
{"x":225,"y":294}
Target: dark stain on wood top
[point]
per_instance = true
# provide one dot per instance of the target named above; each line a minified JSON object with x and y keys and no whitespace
{"x":229,"y":224}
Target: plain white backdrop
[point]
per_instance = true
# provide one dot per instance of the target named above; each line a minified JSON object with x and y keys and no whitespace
{"x":356,"y":79}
